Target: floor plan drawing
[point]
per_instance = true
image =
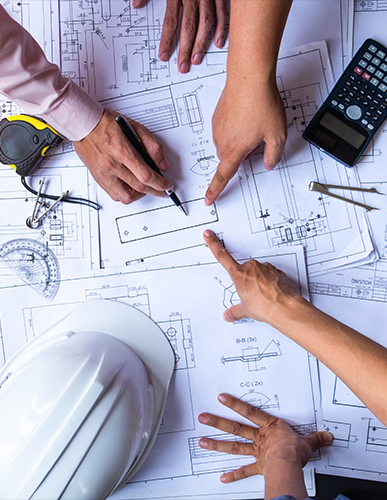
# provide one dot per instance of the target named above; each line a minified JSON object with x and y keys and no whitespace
{"x":109,"y":48}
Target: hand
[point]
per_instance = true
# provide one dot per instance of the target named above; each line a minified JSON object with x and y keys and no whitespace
{"x":116,"y":165}
{"x":264,"y":290}
{"x":193,"y":39}
{"x":247,"y":114}
{"x":273,"y":442}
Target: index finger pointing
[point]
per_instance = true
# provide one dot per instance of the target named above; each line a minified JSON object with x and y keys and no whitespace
{"x":219,"y":252}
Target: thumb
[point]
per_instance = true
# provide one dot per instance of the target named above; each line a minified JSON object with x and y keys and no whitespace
{"x":234,"y":313}
{"x":273,"y":152}
{"x":320,"y":439}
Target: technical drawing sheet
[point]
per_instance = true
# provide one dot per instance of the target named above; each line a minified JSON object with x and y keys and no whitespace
{"x":359,"y":448}
{"x":248,"y":359}
{"x":270,"y":209}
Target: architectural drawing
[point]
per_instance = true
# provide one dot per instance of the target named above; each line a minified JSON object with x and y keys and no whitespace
{"x":342,"y":433}
{"x":253,"y":357}
{"x":110,"y":48}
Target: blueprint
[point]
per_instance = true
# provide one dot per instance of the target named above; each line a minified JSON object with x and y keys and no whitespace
{"x":149,"y":251}
{"x":248,"y":359}
{"x":270,"y":209}
{"x":359,"y":447}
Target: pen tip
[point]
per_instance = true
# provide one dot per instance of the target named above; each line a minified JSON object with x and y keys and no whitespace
{"x":182,"y":209}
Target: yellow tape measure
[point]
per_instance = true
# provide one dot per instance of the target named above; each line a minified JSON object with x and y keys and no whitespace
{"x":24,"y":141}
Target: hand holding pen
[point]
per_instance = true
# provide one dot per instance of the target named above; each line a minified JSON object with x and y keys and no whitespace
{"x":134,"y":140}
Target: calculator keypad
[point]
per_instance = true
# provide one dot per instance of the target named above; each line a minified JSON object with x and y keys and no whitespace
{"x":363,"y":95}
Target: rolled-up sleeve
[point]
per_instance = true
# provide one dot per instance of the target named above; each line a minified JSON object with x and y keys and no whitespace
{"x":38,"y":86}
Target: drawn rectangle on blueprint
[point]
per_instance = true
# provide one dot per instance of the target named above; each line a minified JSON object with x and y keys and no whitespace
{"x":157,"y":113}
{"x":160,"y":221}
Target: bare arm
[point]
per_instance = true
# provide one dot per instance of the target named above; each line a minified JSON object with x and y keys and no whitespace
{"x":250,"y":110}
{"x":267,"y":295}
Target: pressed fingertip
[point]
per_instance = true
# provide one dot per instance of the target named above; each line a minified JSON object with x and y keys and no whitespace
{"x":203,"y":419}
{"x":328,"y":437}
{"x":223,"y":478}
{"x":184,"y":68}
{"x":208,"y":233}
{"x":222,"y":398}
{"x":197,"y":58}
{"x":227,"y":318}
{"x":165,"y":56}
{"x":204,"y":443}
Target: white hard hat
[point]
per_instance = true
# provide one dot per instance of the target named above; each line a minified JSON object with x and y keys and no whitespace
{"x":81,"y":404}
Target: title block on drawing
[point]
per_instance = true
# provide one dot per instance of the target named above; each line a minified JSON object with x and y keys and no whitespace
{"x":165,"y":220}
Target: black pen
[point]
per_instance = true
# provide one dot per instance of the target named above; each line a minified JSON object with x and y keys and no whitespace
{"x":134,"y":140}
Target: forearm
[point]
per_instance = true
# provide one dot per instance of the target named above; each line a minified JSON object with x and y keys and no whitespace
{"x":256,"y":28}
{"x":285,"y":477}
{"x":357,"y":360}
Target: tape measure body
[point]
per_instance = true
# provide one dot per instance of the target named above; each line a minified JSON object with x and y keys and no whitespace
{"x":24,"y":142}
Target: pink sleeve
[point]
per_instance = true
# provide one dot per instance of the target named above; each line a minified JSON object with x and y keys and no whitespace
{"x":37,"y":85}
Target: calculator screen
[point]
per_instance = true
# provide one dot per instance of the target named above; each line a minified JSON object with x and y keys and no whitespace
{"x":342,"y":129}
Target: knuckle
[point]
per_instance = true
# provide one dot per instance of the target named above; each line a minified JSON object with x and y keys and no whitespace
{"x":189,"y":27}
{"x":171,"y":22}
{"x":144,"y":177}
{"x":206,"y":20}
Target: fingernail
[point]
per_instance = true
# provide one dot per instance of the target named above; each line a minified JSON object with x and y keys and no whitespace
{"x":328,"y":437}
{"x":198,"y":58}
{"x":170,"y":187}
{"x":203,"y":419}
{"x":164,"y":165}
{"x":270,"y":167}
{"x":223,"y":478}
{"x":227,"y":318}
{"x":207,"y":202}
{"x":165,"y":56}
{"x":184,"y":68}
{"x":204,"y":443}
{"x":222,"y":398}
{"x":220,"y":42}
{"x":207,"y":233}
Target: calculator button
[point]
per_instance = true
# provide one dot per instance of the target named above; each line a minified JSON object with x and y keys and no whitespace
{"x":355,"y":88}
{"x":353,"y":78}
{"x":370,"y":127}
{"x":358,"y":70}
{"x":347,"y":100}
{"x":341,"y":106}
{"x":375,"y":118}
{"x":368,"y":114}
{"x":363,"y":63}
{"x":376,"y":61}
{"x":372,"y":108}
{"x":362,"y":92}
{"x":372,"y":49}
{"x":385,"y":79}
{"x":334,"y":103}
{"x":371,"y":69}
{"x":381,"y":54}
{"x":379,"y":113}
{"x":382,"y":107}
{"x":366,"y":76}
{"x":367,"y":56}
{"x":379,"y":74}
{"x":364,"y":122}
{"x":353,"y":112}
{"x":383,"y":67}
{"x":375,"y":82}
{"x":383,"y":87}
{"x":365,"y":103}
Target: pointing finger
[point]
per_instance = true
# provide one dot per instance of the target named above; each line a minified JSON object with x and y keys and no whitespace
{"x":219,"y":252}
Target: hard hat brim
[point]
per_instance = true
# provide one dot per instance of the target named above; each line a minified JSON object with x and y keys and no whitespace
{"x":135,"y":329}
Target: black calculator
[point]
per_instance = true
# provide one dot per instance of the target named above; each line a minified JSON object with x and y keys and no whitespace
{"x":355,"y":109}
